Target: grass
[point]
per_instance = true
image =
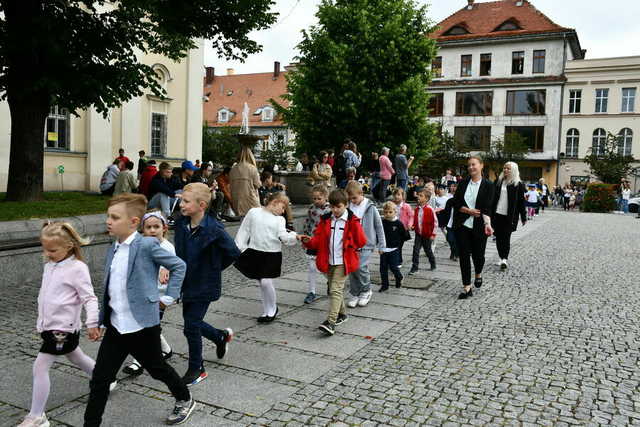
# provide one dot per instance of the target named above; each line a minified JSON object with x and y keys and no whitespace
{"x":54,"y":205}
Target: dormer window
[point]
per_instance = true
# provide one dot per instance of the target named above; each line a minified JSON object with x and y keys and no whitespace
{"x":509,"y":25}
{"x":456,"y":30}
{"x":267,"y":114}
{"x":223,"y":115}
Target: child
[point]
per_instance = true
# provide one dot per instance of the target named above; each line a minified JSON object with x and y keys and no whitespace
{"x":131,"y":312}
{"x":425,"y":225}
{"x":319,"y":207}
{"x":269,"y":186}
{"x":395,"y":234}
{"x":441,"y":201}
{"x":337,"y":239}
{"x":360,"y":280}
{"x":532,"y":201}
{"x":405,"y":214}
{"x":260,"y":239}
{"x":155,"y":225}
{"x":448,"y":216}
{"x":207,"y":250}
{"x":66,"y":288}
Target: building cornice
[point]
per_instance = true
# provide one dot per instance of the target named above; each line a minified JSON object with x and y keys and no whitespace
{"x":498,"y":82}
{"x":600,"y":115}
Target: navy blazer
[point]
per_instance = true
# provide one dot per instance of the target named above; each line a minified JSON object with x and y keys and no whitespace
{"x":207,"y":251}
{"x":145,"y":258}
{"x":484,"y":200}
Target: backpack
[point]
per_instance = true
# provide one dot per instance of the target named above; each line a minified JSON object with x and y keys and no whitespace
{"x":340,"y":167}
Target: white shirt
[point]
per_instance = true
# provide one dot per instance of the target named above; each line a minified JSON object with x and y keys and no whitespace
{"x":358,"y":210}
{"x":470,"y":197}
{"x":532,"y":196}
{"x":626,"y":194}
{"x":121,"y":317}
{"x":335,"y":240}
{"x":503,"y":201}
{"x":418,"y":224}
{"x":441,"y":201}
{"x":263,"y":231}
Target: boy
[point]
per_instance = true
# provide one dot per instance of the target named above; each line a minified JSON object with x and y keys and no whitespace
{"x":360,"y":280}
{"x":336,"y":240}
{"x":395,"y":235}
{"x":425,"y":224}
{"x":207,"y":249}
{"x":162,"y":191}
{"x":130,"y":311}
{"x":319,"y":208}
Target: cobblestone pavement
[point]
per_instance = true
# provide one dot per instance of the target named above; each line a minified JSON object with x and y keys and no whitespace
{"x":553,"y":342}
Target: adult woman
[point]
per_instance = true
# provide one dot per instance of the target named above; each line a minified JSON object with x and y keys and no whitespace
{"x":508,"y":204}
{"x":625,"y":195}
{"x":321,"y":172}
{"x":386,"y":172}
{"x":245,"y":181}
{"x":472,"y":223}
{"x":544,"y":194}
{"x":374,"y":167}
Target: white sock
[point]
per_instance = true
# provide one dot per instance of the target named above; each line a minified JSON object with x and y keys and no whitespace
{"x":41,"y":383}
{"x":268,"y":297}
{"x":164,"y":345}
{"x":312,"y":274}
{"x":81,"y":360}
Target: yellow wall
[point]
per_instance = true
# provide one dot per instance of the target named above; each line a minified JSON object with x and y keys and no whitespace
{"x":74,"y":177}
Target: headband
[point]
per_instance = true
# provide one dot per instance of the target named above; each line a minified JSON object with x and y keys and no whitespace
{"x":154,"y":214}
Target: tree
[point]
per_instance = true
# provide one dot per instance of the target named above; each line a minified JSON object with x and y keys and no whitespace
{"x":607,"y":162}
{"x":220,"y":145}
{"x":511,"y":148}
{"x":278,"y":151}
{"x":80,"y":54}
{"x":446,"y":153}
{"x":363,"y":74}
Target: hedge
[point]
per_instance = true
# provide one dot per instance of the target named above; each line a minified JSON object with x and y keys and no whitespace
{"x":600,"y":198}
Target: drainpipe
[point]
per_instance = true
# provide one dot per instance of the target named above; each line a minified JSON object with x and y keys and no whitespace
{"x":564,"y":65}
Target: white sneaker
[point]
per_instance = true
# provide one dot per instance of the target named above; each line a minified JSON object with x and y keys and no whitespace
{"x":113,"y":386}
{"x":352,"y":302}
{"x":31,"y":421}
{"x":503,"y":264}
{"x":364,"y":298}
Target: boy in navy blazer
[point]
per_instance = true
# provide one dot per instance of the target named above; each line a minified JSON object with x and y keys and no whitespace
{"x":207,"y":249}
{"x":130,"y":311}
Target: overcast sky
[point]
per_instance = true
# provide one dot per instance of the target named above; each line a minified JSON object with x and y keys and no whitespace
{"x":605,"y":28}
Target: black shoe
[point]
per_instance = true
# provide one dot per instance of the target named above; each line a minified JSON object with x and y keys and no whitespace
{"x":433,"y":267}
{"x":167,"y":355}
{"x":341,"y":319}
{"x":133,"y":369}
{"x":413,"y":271}
{"x":221,"y":349}
{"x":327,"y":328}
{"x":478,"y":282}
{"x":268,"y":319}
{"x":465,"y":295}
{"x":194,"y":376}
{"x":399,"y":281}
{"x":384,"y":288}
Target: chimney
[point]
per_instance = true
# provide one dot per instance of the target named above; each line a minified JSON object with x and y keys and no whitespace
{"x":276,"y":69}
{"x":519,"y":3}
{"x":230,"y":71}
{"x":210,"y":75}
{"x":470,"y":4}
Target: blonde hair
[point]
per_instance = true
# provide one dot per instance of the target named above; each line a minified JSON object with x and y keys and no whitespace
{"x":389,"y":205}
{"x":399,"y":190}
{"x":354,"y":187}
{"x":135,"y":204}
{"x":246,"y":156}
{"x":65,"y":232}
{"x":277,"y":197}
{"x":320,"y":189}
{"x":200,"y":190}
{"x":515,"y":174}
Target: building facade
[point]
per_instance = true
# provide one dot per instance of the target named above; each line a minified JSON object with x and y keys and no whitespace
{"x":167,"y":129}
{"x":600,"y":97}
{"x":501,"y":69}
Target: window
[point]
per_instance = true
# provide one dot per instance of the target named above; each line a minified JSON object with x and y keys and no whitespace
{"x":509,"y":25}
{"x":223,"y":115}
{"x":625,"y":138}
{"x":517,"y":63}
{"x":628,"y":100}
{"x":533,"y":135}
{"x":538,"y":61}
{"x":456,"y":31}
{"x":474,"y":103}
{"x":575,"y":98}
{"x":436,"y":66}
{"x":57,"y":133}
{"x":602,"y":99}
{"x":530,"y":174}
{"x":435,"y":104}
{"x":573,"y":139}
{"x":526,"y":102}
{"x":267,"y":114}
{"x":158,"y":135}
{"x":473,"y":138}
{"x":485,"y":64}
{"x":599,"y":140}
{"x":465,"y":66}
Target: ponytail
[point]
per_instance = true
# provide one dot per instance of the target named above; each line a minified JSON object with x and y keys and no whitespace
{"x":66,"y":233}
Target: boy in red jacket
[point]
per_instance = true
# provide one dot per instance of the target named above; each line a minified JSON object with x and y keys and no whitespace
{"x":425,"y":223}
{"x":336,"y":239}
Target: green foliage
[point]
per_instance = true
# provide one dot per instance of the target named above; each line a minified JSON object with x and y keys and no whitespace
{"x":599,"y":198}
{"x":608,"y":164}
{"x":363,"y":74}
{"x":278,"y":152}
{"x":54,"y":205}
{"x":220,"y":145}
{"x":511,"y":148}
{"x":446,"y":153}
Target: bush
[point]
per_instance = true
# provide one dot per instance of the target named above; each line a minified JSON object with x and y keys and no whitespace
{"x":599,"y":198}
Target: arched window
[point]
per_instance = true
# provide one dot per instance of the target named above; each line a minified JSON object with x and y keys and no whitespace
{"x":599,"y":140}
{"x":457,"y":30}
{"x":573,"y":139}
{"x":625,"y":138}
{"x":163,"y":74}
{"x":224,"y":115}
{"x":509,"y":25}
{"x":267,"y":114}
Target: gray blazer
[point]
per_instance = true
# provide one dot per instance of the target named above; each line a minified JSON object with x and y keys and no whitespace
{"x":145,"y":258}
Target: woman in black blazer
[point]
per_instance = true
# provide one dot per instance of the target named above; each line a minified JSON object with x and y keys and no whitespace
{"x":508,"y":205}
{"x":472,"y":223}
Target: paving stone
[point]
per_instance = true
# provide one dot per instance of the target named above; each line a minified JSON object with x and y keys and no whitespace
{"x":354,"y":325}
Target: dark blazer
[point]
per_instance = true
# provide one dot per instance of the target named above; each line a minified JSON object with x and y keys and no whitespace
{"x":484,"y":200}
{"x":516,"y":206}
{"x":207,"y":251}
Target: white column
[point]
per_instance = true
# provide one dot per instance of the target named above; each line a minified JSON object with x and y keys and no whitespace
{"x":98,"y":142}
{"x":194,"y":117}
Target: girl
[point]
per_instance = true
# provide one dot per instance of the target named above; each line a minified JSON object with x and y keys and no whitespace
{"x":395,"y":234}
{"x":320,"y":207}
{"x":532,"y":201}
{"x":260,"y":239}
{"x":405,"y":214}
{"x":155,"y":225}
{"x":66,"y":288}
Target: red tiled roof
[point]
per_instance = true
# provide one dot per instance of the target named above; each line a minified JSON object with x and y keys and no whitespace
{"x":232,"y":91}
{"x":484,"y":18}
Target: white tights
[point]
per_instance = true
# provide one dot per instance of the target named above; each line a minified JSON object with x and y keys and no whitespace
{"x":312,"y":274}
{"x":268,"y":297}
{"x":41,"y":383}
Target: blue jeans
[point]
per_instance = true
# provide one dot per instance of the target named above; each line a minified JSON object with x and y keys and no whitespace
{"x":451,"y":238}
{"x":402,"y":183}
{"x":162,"y":201}
{"x":382,"y":194}
{"x":360,"y":280}
{"x":375,"y":180}
{"x":195,"y":328}
{"x":390,"y":261}
{"x":624,"y":205}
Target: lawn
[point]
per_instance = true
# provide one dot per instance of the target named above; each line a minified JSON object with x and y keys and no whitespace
{"x":54,"y":205}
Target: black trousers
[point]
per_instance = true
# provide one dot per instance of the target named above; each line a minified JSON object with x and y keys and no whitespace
{"x":502,"y":229}
{"x":424,"y":243}
{"x":470,"y":246}
{"x":144,"y":346}
{"x":390,"y":261}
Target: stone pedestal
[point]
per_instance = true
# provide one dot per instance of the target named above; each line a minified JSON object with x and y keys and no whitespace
{"x":298,"y":188}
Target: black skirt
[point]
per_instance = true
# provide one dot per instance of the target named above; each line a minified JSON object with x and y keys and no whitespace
{"x":259,"y":265}
{"x":59,"y":343}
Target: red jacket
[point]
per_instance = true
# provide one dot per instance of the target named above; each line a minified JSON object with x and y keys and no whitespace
{"x":145,"y":180}
{"x":429,"y":222}
{"x":352,"y":240}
